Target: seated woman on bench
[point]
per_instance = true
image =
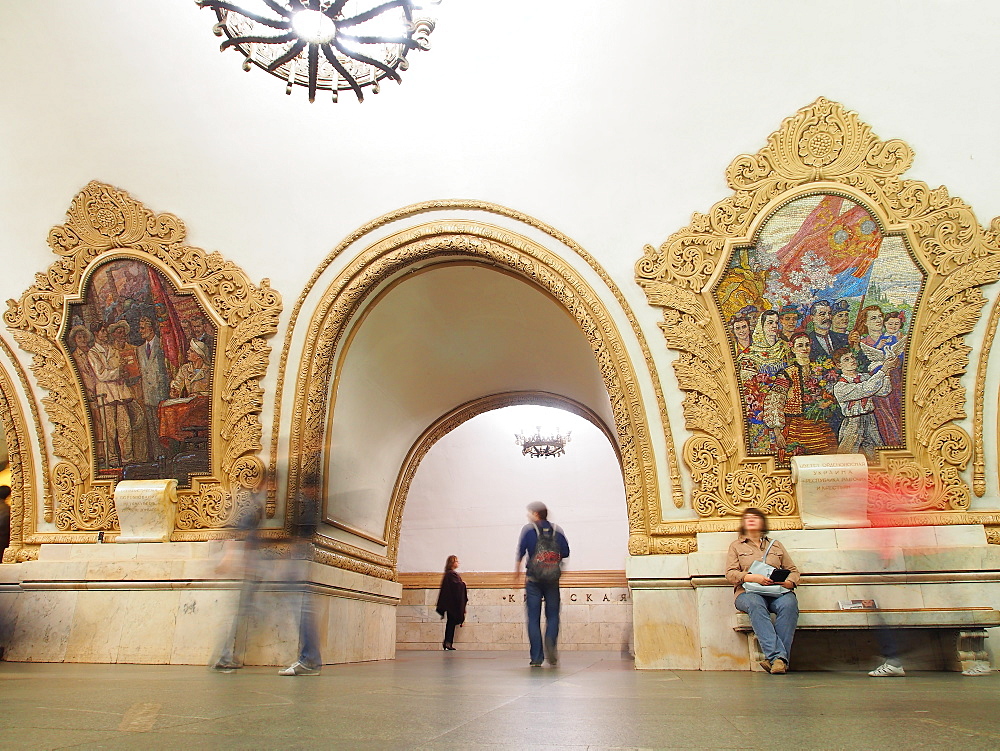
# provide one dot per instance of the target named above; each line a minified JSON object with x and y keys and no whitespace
{"x":752,"y":545}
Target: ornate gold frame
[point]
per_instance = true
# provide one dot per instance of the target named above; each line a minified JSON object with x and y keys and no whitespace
{"x":22,"y":475}
{"x":106,"y":223}
{"x":825,"y":148}
{"x":470,"y":241}
{"x":453,"y":419}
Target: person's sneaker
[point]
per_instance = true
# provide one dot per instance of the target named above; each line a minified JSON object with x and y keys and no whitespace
{"x":778,"y":667}
{"x":979,"y":668}
{"x":551,"y":654}
{"x":225,"y":667}
{"x":885,"y":670}
{"x":297,"y":668}
{"x":766,"y":664}
{"x":534,"y":664}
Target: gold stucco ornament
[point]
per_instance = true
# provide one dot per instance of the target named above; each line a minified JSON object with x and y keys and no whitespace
{"x":96,"y":430}
{"x":821,"y":222}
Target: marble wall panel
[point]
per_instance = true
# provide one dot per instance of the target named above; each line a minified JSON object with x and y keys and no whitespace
{"x":42,"y":626}
{"x":666,"y":629}
{"x":147,"y":634}
{"x":496,"y":620}
{"x":203,"y":620}
{"x":98,"y":619}
{"x":721,"y":647}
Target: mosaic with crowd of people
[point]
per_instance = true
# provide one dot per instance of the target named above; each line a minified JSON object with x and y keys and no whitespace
{"x":819,"y":312}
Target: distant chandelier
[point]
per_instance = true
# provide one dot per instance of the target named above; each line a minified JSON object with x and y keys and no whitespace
{"x":334,"y":45}
{"x":538,"y":445}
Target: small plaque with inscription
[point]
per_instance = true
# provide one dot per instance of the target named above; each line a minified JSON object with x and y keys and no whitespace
{"x":146,"y":510}
{"x":831,"y":490}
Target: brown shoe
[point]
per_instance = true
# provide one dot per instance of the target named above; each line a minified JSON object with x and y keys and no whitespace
{"x":779,"y":667}
{"x":766,"y":664}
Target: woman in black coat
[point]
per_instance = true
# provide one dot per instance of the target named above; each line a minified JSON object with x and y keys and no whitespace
{"x":452,"y":600}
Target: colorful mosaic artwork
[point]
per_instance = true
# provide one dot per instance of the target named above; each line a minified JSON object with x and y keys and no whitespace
{"x":818,"y":313}
{"x":144,"y":356}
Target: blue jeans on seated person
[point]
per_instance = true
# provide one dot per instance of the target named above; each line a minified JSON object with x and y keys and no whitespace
{"x":536,"y":592}
{"x":775,"y":638}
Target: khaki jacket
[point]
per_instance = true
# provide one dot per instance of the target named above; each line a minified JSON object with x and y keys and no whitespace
{"x":744,"y":551}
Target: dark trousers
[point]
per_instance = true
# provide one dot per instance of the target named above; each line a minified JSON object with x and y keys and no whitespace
{"x":449,"y":629}
{"x":537,"y":592}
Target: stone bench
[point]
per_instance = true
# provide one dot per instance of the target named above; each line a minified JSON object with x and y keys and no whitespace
{"x":968,"y":624}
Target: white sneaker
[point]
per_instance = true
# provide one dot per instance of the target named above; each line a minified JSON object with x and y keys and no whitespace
{"x":297,"y":668}
{"x":885,"y":670}
{"x":980,"y":668}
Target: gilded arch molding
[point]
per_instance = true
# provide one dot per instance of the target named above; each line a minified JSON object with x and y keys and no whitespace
{"x":474,"y":241}
{"x":105,"y":224}
{"x":826,"y":149}
{"x":429,"y":207}
{"x":22,"y":475}
{"x":455,"y":418}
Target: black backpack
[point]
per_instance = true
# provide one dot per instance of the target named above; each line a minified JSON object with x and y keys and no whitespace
{"x":545,"y":565}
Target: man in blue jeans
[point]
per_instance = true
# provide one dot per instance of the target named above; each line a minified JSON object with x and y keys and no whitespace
{"x":542,"y":580}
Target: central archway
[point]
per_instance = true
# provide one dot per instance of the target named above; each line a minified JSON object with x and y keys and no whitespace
{"x":344,"y":301}
{"x":457,"y":417}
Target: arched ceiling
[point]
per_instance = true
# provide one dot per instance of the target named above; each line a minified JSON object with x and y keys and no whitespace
{"x":434,"y":341}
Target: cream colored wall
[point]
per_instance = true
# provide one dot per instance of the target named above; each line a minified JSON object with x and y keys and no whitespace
{"x":468,"y":497}
{"x":610,"y":122}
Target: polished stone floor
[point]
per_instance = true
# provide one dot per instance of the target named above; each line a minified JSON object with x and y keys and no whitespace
{"x":488,"y":700}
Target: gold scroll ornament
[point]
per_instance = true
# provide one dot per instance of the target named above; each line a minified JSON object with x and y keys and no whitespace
{"x":825,"y":148}
{"x":104,"y":223}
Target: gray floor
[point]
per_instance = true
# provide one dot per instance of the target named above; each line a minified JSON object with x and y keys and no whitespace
{"x":470,"y":700}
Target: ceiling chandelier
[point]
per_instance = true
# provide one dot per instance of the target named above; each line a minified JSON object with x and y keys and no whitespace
{"x":538,"y":445}
{"x":333,"y":45}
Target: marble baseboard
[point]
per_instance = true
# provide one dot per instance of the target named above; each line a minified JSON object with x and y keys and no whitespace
{"x":165,"y":604}
{"x":591,"y":618}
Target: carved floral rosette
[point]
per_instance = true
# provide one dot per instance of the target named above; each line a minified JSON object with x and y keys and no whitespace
{"x":824,"y":148}
{"x":104,"y":223}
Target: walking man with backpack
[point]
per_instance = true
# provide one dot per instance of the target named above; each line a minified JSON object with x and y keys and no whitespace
{"x":545,"y":546}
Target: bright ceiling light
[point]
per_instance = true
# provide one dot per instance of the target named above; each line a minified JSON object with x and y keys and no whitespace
{"x":313,"y":26}
{"x":325,"y":44}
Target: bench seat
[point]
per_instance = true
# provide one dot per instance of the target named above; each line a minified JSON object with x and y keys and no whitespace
{"x":958,"y":618}
{"x":969,"y":625}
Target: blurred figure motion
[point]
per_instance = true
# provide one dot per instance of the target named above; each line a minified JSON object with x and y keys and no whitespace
{"x":453,"y":598}
{"x":241,"y":558}
{"x":889,"y":540}
{"x":248,"y":559}
{"x":304,"y":522}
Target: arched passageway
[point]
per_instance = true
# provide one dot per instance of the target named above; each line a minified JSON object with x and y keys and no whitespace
{"x":423,"y":322}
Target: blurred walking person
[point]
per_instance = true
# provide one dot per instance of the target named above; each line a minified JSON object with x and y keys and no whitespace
{"x":545,"y":547}
{"x":304,"y":526}
{"x":453,"y":598}
{"x":242,"y":559}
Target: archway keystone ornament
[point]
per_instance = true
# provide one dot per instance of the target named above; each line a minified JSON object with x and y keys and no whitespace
{"x":107,"y":226}
{"x":824,"y":159}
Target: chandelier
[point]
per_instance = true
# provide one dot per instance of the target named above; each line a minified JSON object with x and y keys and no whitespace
{"x":333,"y":45}
{"x":538,"y":445}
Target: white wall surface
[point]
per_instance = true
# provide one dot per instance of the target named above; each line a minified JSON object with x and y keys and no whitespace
{"x":610,"y":121}
{"x":469,"y":495}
